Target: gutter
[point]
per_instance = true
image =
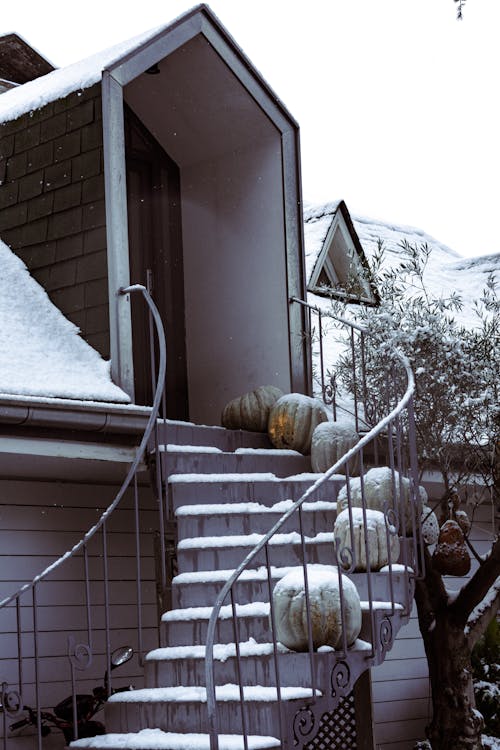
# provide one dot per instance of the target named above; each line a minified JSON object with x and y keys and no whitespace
{"x":82,"y":416}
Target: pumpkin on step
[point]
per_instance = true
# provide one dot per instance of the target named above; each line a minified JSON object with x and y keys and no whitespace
{"x":330,"y":441}
{"x":292,"y":421}
{"x":381,"y":490}
{"x":290,"y":609}
{"x":451,"y":557}
{"x":251,"y":411}
{"x":380,"y":538}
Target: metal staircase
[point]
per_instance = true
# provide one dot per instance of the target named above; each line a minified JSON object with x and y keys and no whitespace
{"x":225,"y":500}
{"x":245,"y":514}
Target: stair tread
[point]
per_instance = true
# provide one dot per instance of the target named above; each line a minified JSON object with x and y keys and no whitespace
{"x":198,"y":694}
{"x":186,"y":614}
{"x":260,"y":573}
{"x":224,"y":651}
{"x":156,"y":739}
{"x":254,"y":609}
{"x":183,"y":448}
{"x":231,"y":508}
{"x":247,"y":540}
{"x":243,"y":477}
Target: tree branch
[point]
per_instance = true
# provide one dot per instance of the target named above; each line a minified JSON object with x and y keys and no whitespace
{"x":482,"y":615}
{"x":430,"y":595}
{"x":477,"y":587}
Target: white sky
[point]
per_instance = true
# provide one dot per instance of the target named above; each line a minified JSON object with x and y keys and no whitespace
{"x":397,"y":101}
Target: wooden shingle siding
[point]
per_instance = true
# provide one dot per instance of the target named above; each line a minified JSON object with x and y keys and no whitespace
{"x":52,"y":209}
{"x":400,"y":686}
{"x":38,"y":522}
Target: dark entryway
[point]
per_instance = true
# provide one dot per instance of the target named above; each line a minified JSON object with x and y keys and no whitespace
{"x":155,"y":242}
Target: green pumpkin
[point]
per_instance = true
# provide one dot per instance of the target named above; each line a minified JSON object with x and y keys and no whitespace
{"x":251,"y":411}
{"x":292,"y":421}
{"x":331,"y":441}
{"x":376,"y":536}
{"x":290,"y":609}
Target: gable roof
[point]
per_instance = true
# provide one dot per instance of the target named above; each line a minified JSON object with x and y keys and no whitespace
{"x":41,"y":353}
{"x":19,"y":61}
{"x":336,"y":265}
{"x":89,"y":71}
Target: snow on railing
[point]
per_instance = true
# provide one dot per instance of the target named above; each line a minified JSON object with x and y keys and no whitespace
{"x":27,"y":616}
{"x":385,"y":594}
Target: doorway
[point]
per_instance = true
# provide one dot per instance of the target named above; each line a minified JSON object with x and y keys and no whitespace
{"x":156,"y":257}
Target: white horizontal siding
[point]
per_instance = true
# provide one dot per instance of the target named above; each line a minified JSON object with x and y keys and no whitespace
{"x":40,"y":521}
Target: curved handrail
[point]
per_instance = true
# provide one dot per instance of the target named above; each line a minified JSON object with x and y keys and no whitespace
{"x":162,"y":367}
{"x":404,"y":401}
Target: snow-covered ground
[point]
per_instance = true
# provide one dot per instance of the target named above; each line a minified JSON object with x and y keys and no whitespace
{"x":41,"y":352}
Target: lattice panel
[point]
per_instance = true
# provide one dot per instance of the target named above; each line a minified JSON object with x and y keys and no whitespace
{"x":337,"y":729}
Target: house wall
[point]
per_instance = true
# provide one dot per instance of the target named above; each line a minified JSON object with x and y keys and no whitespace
{"x":400,"y":686}
{"x":52,"y":206}
{"x":41,"y":520}
{"x":234,"y":277}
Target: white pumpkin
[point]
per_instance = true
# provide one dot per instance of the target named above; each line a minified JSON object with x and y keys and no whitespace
{"x":292,"y":421}
{"x":290,"y":609}
{"x":251,"y":411}
{"x":376,"y":533}
{"x":330,"y":441}
{"x":378,"y":486}
{"x":430,"y":526}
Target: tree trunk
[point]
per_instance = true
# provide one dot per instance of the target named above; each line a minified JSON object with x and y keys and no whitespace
{"x":456,"y":725}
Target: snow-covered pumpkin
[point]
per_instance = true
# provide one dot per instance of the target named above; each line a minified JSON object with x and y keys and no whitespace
{"x":379,"y":486}
{"x":451,"y":556}
{"x":290,"y":609}
{"x":378,"y":533}
{"x":251,"y":411}
{"x":330,"y":441}
{"x":430,"y":526}
{"x":292,"y":421}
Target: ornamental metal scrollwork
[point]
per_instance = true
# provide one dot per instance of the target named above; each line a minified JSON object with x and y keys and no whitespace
{"x":340,"y":679}
{"x":345,"y":557}
{"x":385,"y":634}
{"x":330,"y":389}
{"x":303,"y":725}
{"x":391,"y":519}
{"x":10,"y":701}
{"x":79,"y":654}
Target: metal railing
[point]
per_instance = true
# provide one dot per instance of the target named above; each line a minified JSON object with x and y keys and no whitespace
{"x":401,"y":517}
{"x":327,"y":379}
{"x":29,"y":617}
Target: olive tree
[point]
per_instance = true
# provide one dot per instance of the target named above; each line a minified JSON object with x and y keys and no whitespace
{"x":458,"y":434}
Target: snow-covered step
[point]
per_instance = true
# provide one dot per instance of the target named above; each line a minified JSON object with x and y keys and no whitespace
{"x":155,"y":739}
{"x":185,"y":708}
{"x":261,"y":487}
{"x":189,"y":625}
{"x":181,"y":665}
{"x":200,"y":588}
{"x":188,"y":433}
{"x":181,"y":459}
{"x":222,"y":552}
{"x":218,"y":519}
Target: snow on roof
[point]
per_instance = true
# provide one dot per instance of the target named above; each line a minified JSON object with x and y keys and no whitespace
{"x":317,"y":220}
{"x":41,"y":353}
{"x":446,"y":271}
{"x":63,"y":81}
